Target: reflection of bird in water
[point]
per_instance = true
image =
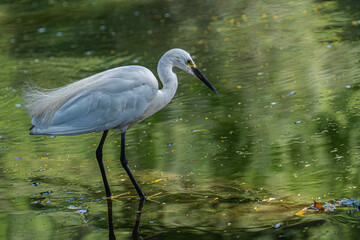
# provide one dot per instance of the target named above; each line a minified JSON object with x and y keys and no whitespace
{"x":117,"y":98}
{"x":110,"y":220}
{"x":135,"y":232}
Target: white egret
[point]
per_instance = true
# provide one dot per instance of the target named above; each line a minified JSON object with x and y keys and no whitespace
{"x":117,"y":98}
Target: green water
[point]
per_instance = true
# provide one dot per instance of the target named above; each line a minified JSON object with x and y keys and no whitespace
{"x":283,"y":131}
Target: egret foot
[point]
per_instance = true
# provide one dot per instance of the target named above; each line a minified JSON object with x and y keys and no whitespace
{"x":120,"y":195}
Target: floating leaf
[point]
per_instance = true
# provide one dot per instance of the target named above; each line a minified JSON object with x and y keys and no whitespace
{"x":277,"y":225}
{"x":301,"y":212}
{"x":319,"y":207}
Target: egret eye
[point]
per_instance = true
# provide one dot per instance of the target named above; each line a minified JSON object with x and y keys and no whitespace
{"x":190,"y":63}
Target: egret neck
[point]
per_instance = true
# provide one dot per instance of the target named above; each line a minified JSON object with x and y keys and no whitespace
{"x":168,"y":79}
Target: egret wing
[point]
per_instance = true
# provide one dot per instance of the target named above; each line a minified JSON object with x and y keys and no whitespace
{"x":112,"y":105}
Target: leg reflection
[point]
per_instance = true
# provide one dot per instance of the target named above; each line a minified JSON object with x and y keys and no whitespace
{"x":135,"y":233}
{"x":110,"y":219}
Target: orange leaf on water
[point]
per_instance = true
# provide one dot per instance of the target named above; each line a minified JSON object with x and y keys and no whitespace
{"x":319,"y":207}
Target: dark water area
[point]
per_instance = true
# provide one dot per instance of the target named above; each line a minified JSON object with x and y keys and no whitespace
{"x":283,"y":132}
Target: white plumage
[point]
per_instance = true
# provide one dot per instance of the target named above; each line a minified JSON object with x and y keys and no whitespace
{"x":117,"y":98}
{"x":111,"y":99}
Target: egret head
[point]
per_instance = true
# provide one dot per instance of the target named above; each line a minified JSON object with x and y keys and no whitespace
{"x":183,"y":60}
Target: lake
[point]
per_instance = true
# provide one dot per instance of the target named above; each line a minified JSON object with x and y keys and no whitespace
{"x":249,"y":163}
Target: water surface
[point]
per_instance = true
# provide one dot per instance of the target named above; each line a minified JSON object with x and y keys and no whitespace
{"x":282,"y":133}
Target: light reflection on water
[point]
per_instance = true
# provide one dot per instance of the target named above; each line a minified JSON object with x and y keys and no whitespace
{"x":285,"y":125}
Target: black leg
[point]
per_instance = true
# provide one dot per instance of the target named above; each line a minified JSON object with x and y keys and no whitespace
{"x":125,"y":165}
{"x":101,"y":165}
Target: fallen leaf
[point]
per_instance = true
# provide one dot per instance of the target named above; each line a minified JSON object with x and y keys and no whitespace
{"x":320,"y":208}
{"x":300,"y":213}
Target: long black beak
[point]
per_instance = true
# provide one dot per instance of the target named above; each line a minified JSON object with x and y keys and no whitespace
{"x":201,"y":76}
